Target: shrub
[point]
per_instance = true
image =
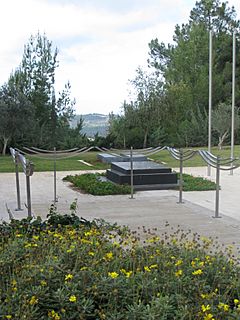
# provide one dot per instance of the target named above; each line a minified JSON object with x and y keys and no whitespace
{"x":191,"y":183}
{"x":93,"y":184}
{"x":97,"y":271}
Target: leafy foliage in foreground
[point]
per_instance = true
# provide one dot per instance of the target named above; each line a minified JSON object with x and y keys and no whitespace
{"x":92,"y":183}
{"x":94,"y":270}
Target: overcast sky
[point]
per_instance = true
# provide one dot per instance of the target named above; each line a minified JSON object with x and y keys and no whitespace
{"x":101,"y":42}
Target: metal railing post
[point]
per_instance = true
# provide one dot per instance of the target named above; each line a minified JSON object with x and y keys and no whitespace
{"x":29,"y":172}
{"x":217,"y":189}
{"x":131,"y":165}
{"x":17,"y":183}
{"x":55,"y":176}
{"x":180,"y":175}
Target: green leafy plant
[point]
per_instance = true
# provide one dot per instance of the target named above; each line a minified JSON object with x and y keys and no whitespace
{"x":99,"y":271}
{"x":191,"y":183}
{"x":93,"y":184}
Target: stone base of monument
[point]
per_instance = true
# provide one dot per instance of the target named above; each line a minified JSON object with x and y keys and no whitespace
{"x":147,"y":175}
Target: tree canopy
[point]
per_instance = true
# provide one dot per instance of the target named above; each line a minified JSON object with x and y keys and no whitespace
{"x":182,"y":69}
{"x":32,"y":113}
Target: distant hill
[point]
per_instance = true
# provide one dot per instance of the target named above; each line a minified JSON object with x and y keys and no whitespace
{"x":93,"y":123}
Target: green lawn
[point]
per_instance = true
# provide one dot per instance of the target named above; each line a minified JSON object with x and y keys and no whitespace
{"x":196,"y":161}
{"x":6,"y":163}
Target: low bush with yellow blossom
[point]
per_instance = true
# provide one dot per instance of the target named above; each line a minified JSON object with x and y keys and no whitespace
{"x":76,"y":269}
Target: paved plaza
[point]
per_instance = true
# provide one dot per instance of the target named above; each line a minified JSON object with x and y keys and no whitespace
{"x":148,"y":208}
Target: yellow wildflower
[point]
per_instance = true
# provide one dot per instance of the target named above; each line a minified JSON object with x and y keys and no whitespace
{"x":193,"y":263}
{"x":68,"y":277}
{"x":18,"y":235}
{"x":88,"y":233}
{"x":197,"y":272}
{"x":14,"y":282}
{"x":231,"y":261}
{"x":53,"y":315}
{"x":174,"y":241}
{"x":153,"y":239}
{"x":116,"y":244}
{"x":27,"y":245}
{"x":86,"y":241}
{"x":8,"y":316}
{"x":236,"y":301}
{"x":33,"y":300}
{"x":205,"y":308}
{"x":83,"y":268}
{"x":126,"y":273}
{"x":58,"y":235}
{"x":43,"y":283}
{"x":108,"y":256}
{"x":178,"y":273}
{"x":147,"y":269}
{"x":73,"y":298}
{"x":223,"y":306}
{"x":178,"y":263}
{"x":113,"y":275}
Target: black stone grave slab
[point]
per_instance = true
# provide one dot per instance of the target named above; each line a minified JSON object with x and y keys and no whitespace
{"x":109,"y":158}
{"x":136,"y":157}
{"x":146,"y":175}
{"x":140,"y":167}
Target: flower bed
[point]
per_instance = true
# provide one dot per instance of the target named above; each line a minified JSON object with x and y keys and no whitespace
{"x":70,"y":268}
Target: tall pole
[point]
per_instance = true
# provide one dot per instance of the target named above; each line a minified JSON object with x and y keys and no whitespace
{"x":210,"y":99}
{"x":233,"y":95}
{"x":55,"y":177}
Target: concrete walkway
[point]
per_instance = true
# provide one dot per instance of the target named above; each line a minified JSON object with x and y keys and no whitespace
{"x":151,"y":209}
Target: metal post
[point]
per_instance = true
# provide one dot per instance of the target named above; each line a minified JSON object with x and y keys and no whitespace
{"x":131,"y":164}
{"x":29,"y":171}
{"x":210,"y":99}
{"x":55,"y":176}
{"x":181,"y":176}
{"x":17,"y":183}
{"x":233,"y":96}
{"x":217,"y":189}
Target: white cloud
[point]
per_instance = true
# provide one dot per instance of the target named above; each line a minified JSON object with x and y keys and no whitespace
{"x":100,"y":45}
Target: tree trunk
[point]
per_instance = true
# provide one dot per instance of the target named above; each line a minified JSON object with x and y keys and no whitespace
{"x":5,"y":142}
{"x":124,"y":141}
{"x":221,"y":139}
{"x":145,"y":139}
